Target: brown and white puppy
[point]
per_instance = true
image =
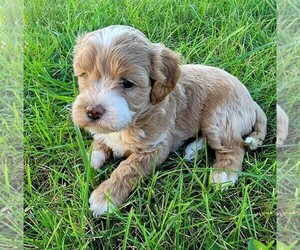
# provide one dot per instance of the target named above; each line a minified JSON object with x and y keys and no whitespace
{"x":138,"y":101}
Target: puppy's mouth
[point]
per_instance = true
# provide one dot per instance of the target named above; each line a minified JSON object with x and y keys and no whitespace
{"x":104,"y":124}
{"x":102,"y":127}
{"x":111,"y":114}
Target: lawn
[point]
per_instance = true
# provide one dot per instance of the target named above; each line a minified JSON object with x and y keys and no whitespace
{"x":288,"y":83}
{"x":175,"y":208}
{"x":11,"y":125}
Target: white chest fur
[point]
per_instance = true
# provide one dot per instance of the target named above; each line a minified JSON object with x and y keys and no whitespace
{"x":124,"y":141}
{"x":115,"y":142}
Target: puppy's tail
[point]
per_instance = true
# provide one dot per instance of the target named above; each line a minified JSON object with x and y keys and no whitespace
{"x":255,"y":139}
{"x":282,"y":126}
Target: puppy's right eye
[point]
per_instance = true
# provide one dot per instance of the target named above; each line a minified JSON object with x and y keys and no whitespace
{"x":84,"y":75}
{"x":126,"y":84}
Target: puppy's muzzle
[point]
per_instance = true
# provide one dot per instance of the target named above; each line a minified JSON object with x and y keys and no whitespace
{"x":95,"y":113}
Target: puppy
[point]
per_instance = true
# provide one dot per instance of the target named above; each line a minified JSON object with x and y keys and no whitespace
{"x":138,"y":101}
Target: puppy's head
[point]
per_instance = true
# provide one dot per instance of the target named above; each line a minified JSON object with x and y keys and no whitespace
{"x":121,"y":75}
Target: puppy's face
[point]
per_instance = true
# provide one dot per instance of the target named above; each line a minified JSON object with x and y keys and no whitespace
{"x":121,"y":74}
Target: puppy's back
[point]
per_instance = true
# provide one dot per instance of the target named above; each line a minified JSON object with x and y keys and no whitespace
{"x":218,"y":100}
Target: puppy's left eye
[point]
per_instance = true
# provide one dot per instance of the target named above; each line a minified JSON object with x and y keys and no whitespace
{"x":84,"y":75}
{"x":126,"y":84}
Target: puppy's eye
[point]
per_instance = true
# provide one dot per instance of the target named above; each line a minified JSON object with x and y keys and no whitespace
{"x":84,"y":75}
{"x":126,"y":84}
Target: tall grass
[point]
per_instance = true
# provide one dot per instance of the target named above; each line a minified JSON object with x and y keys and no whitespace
{"x":11,"y":153}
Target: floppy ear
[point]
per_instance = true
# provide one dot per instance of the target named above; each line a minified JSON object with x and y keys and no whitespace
{"x":165,"y":71}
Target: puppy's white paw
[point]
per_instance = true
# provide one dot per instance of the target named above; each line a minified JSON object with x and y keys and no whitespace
{"x":100,"y":204}
{"x":225,"y":179}
{"x":192,"y":149}
{"x":251,"y":143}
{"x":98,"y":159}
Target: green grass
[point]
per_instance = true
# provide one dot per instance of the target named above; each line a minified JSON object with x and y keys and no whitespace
{"x":11,"y":129}
{"x":175,"y":208}
{"x":288,"y":64}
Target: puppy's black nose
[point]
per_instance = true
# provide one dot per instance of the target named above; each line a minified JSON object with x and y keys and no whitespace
{"x":95,"y":113}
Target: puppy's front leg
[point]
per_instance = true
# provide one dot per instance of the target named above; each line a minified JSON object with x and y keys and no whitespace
{"x":114,"y":191}
{"x":100,"y":153}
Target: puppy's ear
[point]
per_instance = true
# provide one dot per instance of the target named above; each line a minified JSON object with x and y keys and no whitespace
{"x":165,"y":71}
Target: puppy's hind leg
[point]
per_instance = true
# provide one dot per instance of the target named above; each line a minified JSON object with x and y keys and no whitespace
{"x":192,"y":149}
{"x":228,"y":163}
{"x":255,"y":139}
